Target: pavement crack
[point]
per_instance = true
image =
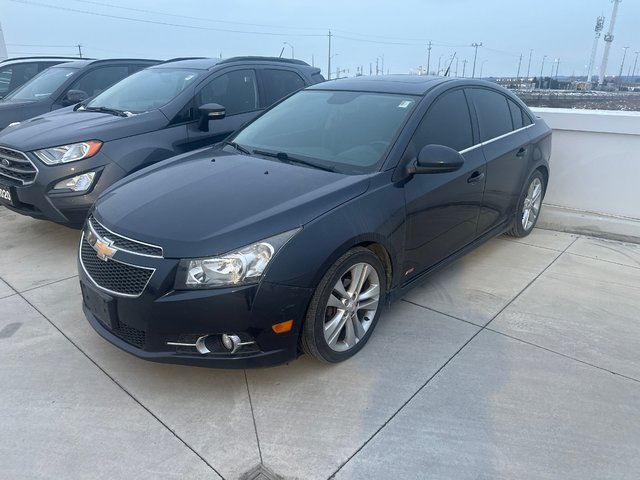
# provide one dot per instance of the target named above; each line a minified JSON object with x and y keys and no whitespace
{"x":253,"y":416}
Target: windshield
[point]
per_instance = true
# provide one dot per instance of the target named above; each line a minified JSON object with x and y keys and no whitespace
{"x":348,"y":132}
{"x":43,"y":85}
{"x":146,"y":90}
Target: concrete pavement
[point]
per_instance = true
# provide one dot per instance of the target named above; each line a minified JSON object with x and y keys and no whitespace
{"x":520,"y":360}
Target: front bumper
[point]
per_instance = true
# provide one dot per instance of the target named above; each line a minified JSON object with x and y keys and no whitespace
{"x":144,"y":325}
{"x":39,"y":200}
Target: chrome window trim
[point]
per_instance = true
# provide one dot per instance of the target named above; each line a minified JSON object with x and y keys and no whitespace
{"x":24,"y":184}
{"x":111,"y":292}
{"x":481,"y":144}
{"x":92,"y":218}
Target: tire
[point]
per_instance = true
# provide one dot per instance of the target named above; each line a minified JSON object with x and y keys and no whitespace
{"x":342,"y":316}
{"x":529,"y":205}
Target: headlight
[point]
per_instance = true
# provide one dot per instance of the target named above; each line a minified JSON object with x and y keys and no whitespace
{"x":68,"y":153}
{"x":239,"y":267}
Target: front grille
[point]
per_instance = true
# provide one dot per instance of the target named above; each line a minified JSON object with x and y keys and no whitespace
{"x":16,"y":168}
{"x":123,"y":243}
{"x":113,"y":276}
{"x":130,"y":335}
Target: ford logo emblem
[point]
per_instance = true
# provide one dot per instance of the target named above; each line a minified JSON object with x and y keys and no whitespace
{"x":5,"y":162}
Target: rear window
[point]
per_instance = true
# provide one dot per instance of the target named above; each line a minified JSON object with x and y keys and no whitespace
{"x":279,"y":84}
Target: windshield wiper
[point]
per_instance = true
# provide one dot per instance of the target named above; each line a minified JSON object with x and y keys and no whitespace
{"x":112,"y":111}
{"x":286,"y":158}
{"x":237,"y":146}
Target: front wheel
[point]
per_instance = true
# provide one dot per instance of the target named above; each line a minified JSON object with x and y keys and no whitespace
{"x":345,"y":307}
{"x":528,"y":206}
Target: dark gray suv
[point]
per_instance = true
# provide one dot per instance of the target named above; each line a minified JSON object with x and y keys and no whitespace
{"x":55,"y":166}
{"x":14,"y":72}
{"x":65,"y":84}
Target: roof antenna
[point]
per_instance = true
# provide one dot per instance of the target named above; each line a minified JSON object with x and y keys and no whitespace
{"x":281,"y":51}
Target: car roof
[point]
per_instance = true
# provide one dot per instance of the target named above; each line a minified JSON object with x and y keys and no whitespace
{"x":36,"y":59}
{"x":401,"y":84}
{"x":84,"y":63}
{"x":209,"y":63}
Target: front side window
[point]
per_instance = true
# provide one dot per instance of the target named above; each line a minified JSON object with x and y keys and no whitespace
{"x":98,"y":80}
{"x":494,"y":116}
{"x":237,"y":91}
{"x":146,"y":90}
{"x":44,"y":84}
{"x":447,"y":122}
{"x":340,"y":130}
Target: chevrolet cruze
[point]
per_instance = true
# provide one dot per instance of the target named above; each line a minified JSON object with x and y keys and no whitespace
{"x":293,"y":234}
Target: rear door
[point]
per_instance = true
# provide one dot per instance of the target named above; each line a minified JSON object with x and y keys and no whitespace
{"x":507,"y":149}
{"x":442,"y":208}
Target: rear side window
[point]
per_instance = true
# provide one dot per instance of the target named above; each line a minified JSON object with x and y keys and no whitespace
{"x":516,"y":115}
{"x":447,"y":122}
{"x":236,"y":91}
{"x":494,"y":115}
{"x":98,"y":80}
{"x":280,"y":83}
{"x":15,"y":75}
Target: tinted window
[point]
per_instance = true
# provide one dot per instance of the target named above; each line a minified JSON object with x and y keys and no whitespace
{"x":447,"y":122}
{"x":494,"y":116}
{"x":526,"y":119}
{"x":516,"y":115}
{"x":13,"y":76}
{"x":280,"y":83}
{"x":98,"y":80}
{"x":236,"y":91}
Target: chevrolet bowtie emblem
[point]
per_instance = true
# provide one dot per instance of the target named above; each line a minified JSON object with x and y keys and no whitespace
{"x":103,"y":249}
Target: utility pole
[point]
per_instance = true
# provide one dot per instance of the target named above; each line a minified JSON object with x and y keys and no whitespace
{"x":529,"y":66}
{"x":475,"y":56}
{"x":557,"y":68}
{"x":79,"y":50}
{"x":377,"y":69}
{"x":464,"y":66}
{"x":635,"y":64}
{"x":622,"y":64}
{"x":519,"y":64}
{"x":382,"y":64}
{"x":329,"y":59}
{"x":428,"y":57}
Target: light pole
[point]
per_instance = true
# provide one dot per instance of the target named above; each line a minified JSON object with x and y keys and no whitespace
{"x":541,"y":69}
{"x":622,"y":64}
{"x":529,"y":66}
{"x":439,"y":62}
{"x":635,"y":64}
{"x":482,"y":66}
{"x":475,"y":56}
{"x":291,"y":46}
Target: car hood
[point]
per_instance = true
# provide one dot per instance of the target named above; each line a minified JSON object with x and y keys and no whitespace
{"x":214,"y":202}
{"x":16,"y":110}
{"x":68,"y":126}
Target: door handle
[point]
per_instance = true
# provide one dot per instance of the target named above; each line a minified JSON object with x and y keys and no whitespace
{"x":475,"y":177}
{"x":522,"y":152}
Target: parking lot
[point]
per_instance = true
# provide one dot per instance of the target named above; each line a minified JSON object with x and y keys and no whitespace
{"x":518,"y":361}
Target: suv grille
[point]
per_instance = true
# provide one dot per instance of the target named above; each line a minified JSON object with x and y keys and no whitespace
{"x":16,"y":167}
{"x":123,"y":243}
{"x":113,"y":276}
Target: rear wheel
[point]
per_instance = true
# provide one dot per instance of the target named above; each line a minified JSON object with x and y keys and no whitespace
{"x":528,"y":206}
{"x":345,"y":307}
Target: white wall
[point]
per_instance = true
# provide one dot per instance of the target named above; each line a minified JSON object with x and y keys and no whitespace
{"x":595,"y":161}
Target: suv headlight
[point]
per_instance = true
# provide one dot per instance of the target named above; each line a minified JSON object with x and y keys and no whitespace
{"x":68,"y":153}
{"x":239,"y":267}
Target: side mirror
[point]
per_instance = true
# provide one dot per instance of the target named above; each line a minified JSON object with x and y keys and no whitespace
{"x":210,"y":111}
{"x":437,"y":159}
{"x":74,"y":96}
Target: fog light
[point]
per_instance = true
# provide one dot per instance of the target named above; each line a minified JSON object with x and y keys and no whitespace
{"x":230,"y":342}
{"x":79,"y":183}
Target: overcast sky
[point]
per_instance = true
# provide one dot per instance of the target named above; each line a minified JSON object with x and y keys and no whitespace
{"x":363,"y":31}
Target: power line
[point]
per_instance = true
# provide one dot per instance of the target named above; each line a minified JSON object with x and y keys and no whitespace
{"x":155,"y":22}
